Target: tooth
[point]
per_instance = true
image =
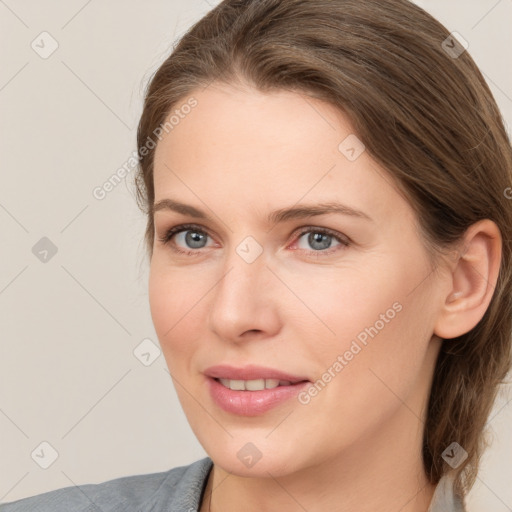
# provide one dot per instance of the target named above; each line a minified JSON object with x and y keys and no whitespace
{"x":224,"y":382}
{"x":237,"y":385}
{"x":284,"y":383}
{"x":271,"y":383}
{"x":255,"y":385}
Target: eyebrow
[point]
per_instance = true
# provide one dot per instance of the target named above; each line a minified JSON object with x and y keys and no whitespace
{"x":280,"y":215}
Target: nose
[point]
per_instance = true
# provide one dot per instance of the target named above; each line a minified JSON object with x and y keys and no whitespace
{"x":244,"y":302}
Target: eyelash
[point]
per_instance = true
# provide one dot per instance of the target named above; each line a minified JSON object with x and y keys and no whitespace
{"x":166,"y":239}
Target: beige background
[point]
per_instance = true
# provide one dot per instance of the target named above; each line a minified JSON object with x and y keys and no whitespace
{"x":68,"y":373}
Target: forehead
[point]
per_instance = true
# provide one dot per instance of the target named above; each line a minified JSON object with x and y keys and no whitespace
{"x":244,"y":146}
{"x":280,"y":122}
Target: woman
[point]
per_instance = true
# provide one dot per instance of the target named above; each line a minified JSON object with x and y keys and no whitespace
{"x":330,"y":243}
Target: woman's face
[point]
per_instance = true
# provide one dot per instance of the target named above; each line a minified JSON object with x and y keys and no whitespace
{"x":347,"y":302}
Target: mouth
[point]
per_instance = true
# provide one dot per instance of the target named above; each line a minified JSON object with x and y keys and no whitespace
{"x":251,"y":390}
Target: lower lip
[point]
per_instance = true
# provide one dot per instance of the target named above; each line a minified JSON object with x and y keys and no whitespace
{"x":252,"y":403}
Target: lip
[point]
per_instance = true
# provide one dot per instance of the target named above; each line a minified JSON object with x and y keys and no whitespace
{"x":250,"y":372}
{"x":251,"y":403}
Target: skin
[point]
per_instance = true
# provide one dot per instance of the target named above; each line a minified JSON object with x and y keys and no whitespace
{"x":237,"y":156}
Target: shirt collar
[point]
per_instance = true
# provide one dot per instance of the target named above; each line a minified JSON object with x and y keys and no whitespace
{"x":444,"y":498}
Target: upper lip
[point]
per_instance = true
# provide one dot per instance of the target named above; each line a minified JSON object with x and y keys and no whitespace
{"x":250,"y":372}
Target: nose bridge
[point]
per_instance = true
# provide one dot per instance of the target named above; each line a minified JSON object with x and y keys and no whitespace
{"x":242,"y":274}
{"x":241,"y":297}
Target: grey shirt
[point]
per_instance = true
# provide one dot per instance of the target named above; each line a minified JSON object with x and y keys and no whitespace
{"x":177,"y":490}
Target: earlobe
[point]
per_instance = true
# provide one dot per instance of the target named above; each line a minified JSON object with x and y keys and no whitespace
{"x":473,"y":280}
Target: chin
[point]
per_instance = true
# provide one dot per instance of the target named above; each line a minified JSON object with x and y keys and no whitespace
{"x":250,"y":455}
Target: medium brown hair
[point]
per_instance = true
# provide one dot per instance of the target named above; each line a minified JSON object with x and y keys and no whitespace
{"x":425,"y":114}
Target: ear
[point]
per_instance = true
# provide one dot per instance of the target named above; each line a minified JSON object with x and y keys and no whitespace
{"x":474,"y":274}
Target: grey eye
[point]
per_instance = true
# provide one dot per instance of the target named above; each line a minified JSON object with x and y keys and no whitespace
{"x":317,"y":240}
{"x":194,"y":239}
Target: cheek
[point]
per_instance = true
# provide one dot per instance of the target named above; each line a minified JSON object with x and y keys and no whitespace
{"x":383,"y":376}
{"x":344,"y":302}
{"x":369,"y":316}
{"x":176,"y":309}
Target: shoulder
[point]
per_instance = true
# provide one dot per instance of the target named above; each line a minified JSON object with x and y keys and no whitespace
{"x":445,"y":499}
{"x":174,"y":490}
